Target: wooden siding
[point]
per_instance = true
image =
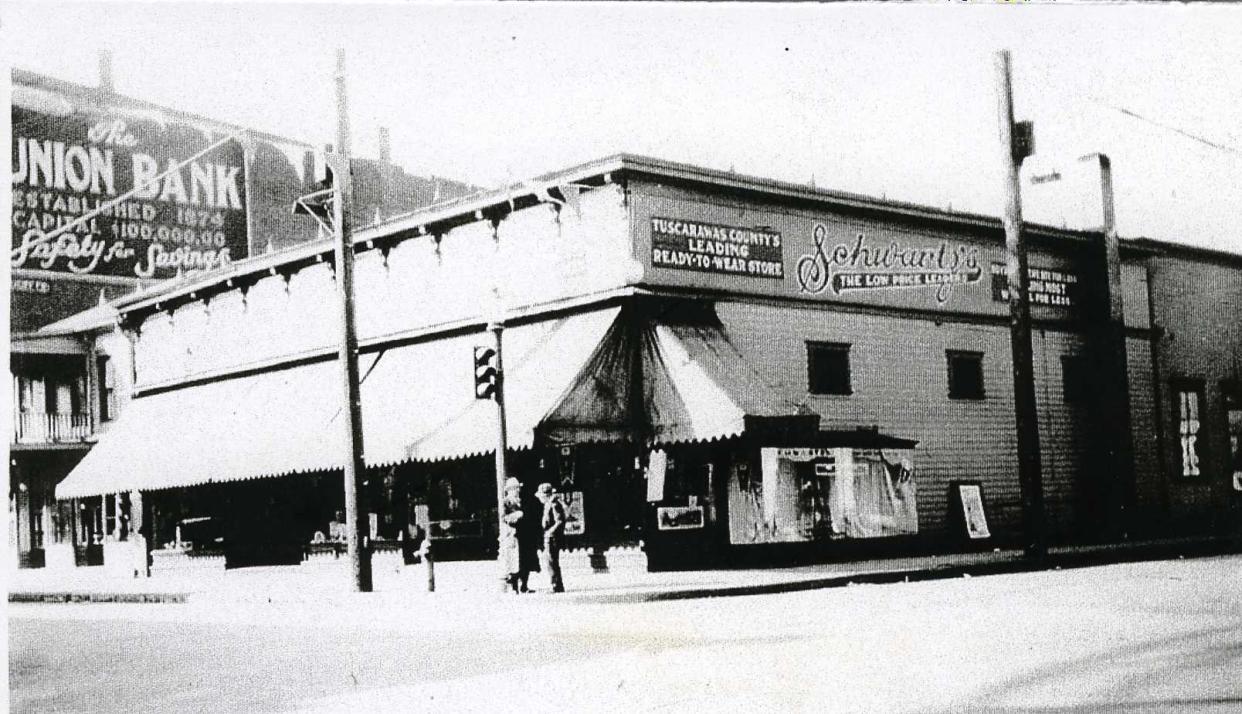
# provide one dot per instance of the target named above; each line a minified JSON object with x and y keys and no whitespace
{"x":900,"y":384}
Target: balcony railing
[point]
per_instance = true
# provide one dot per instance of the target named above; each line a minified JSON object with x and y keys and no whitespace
{"x":40,"y":428}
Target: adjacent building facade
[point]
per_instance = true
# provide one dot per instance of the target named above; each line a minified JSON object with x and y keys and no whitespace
{"x":722,"y":369}
{"x":100,"y":209}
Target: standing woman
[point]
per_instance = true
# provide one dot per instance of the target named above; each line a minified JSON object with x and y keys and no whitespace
{"x":511,"y":523}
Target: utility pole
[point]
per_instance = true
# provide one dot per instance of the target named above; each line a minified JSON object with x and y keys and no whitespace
{"x":1016,"y":143}
{"x":356,"y":526}
{"x":1113,"y":363}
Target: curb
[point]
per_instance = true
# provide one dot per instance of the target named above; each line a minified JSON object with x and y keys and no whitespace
{"x":1016,"y":563}
{"x":1011,"y":565}
{"x":101,"y":597}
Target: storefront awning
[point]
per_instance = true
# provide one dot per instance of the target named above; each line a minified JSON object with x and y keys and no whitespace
{"x":696,"y":386}
{"x":268,"y":424}
{"x":417,"y":402}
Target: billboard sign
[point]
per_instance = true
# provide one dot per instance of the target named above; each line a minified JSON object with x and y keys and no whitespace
{"x":72,"y":158}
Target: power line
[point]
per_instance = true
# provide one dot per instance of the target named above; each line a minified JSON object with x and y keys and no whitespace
{"x":1169,"y":127}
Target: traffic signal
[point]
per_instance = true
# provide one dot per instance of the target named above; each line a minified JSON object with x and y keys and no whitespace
{"x":1023,"y":140}
{"x":485,"y":373}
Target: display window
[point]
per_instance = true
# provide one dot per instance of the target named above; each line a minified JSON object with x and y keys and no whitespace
{"x":810,"y":494}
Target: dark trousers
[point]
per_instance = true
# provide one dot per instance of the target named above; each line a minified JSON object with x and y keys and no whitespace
{"x":551,"y":555}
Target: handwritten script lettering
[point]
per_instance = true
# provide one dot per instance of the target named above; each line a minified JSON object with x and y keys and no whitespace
{"x":858,"y":264}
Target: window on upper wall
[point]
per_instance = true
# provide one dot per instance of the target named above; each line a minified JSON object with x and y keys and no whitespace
{"x":1074,"y":378}
{"x":1189,"y":412}
{"x":828,"y":368}
{"x":965,"y":374}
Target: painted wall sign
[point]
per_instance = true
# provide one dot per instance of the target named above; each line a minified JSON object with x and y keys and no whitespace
{"x":68,"y":164}
{"x":848,"y":264}
{"x":712,"y":248}
{"x":1058,"y":288}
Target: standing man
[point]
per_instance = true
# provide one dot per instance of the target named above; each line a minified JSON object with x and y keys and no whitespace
{"x":553,"y":534}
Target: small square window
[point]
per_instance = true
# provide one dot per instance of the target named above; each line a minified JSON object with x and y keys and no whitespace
{"x":965,"y":374}
{"x":828,"y":368}
{"x":1074,"y":378}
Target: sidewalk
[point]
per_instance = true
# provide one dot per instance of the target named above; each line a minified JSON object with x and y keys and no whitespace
{"x":326,"y":581}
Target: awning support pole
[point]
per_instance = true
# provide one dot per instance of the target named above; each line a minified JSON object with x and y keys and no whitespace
{"x":356,"y":525}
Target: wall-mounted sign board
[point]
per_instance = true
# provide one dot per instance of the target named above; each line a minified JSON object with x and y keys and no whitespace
{"x":679,"y":518}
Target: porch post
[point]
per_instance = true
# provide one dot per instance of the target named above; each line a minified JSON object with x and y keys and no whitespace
{"x":116,"y":517}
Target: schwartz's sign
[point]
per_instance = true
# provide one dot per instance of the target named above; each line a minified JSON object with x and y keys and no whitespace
{"x":856,"y":263}
{"x":69,"y":164}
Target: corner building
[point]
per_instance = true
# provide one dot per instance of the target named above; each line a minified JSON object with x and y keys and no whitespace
{"x":724,"y":369}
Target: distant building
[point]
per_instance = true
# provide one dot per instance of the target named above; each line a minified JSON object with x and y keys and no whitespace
{"x":76,"y":150}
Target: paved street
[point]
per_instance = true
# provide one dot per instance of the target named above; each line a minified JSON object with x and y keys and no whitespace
{"x":1149,"y":636}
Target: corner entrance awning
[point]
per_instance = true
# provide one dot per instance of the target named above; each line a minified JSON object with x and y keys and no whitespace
{"x":695,"y":386}
{"x":417,"y":402}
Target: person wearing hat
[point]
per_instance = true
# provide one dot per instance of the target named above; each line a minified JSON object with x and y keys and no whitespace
{"x":553,"y":534}
{"x":511,"y":518}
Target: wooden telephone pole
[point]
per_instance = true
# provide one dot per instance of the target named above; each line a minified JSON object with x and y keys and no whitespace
{"x":1016,"y":144}
{"x":356,"y":525}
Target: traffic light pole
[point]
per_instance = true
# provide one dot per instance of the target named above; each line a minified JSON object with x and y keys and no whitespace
{"x":502,"y":445}
{"x":356,"y":526}
{"x":1017,"y":278}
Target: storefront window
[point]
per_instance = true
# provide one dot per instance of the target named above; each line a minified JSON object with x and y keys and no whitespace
{"x":803,"y":494}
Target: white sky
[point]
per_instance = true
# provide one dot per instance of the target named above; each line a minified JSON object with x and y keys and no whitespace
{"x":883,"y":100}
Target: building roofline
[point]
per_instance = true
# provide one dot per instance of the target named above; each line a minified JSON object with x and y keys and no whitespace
{"x":1164,"y":247}
{"x":496,"y":203}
